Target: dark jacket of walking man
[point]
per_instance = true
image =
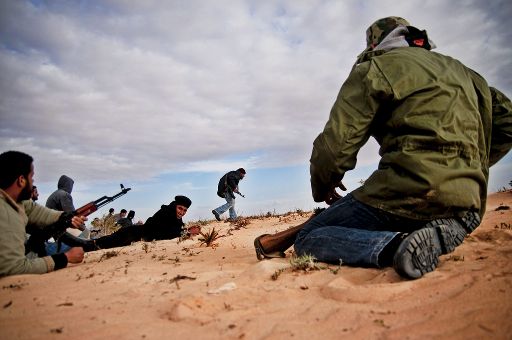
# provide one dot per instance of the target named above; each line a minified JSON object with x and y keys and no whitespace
{"x":228,"y":185}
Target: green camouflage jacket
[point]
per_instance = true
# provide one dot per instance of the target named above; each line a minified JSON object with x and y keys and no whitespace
{"x":439,"y":126}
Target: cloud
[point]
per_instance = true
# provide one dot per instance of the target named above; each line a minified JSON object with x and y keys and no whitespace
{"x":116,"y":89}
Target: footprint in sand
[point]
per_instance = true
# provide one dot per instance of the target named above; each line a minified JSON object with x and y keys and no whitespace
{"x":341,"y":289}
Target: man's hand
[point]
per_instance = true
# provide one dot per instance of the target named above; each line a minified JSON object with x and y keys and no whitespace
{"x":332,"y":196}
{"x":78,"y":221}
{"x":75,"y":255}
{"x":194,"y":230}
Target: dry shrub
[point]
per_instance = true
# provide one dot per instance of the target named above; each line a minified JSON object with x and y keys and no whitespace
{"x":209,"y":237}
{"x":105,"y":225}
{"x":241,"y":223}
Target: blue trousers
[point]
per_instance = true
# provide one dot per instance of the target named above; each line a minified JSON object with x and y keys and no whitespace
{"x":230,"y":204}
{"x":351,"y":232}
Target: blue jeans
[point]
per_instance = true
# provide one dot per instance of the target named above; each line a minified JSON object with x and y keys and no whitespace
{"x":51,"y":247}
{"x":352,"y":232}
{"x":230,"y":204}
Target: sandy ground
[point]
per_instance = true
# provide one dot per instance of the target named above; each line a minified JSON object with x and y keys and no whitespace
{"x":170,"y":290}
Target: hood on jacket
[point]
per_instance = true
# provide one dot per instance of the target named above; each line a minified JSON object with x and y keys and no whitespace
{"x":65,"y":183}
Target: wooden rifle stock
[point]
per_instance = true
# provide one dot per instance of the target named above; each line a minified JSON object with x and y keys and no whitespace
{"x":87,"y":209}
{"x":91,"y":207}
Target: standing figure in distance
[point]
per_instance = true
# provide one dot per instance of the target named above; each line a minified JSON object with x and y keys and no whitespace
{"x":228,"y":185}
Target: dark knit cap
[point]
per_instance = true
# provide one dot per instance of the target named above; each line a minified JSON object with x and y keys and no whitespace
{"x":242,"y":170}
{"x":183,"y":200}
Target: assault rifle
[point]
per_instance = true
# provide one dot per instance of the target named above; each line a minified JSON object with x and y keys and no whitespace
{"x":239,"y":193}
{"x":91,"y":207}
{"x":58,"y":230}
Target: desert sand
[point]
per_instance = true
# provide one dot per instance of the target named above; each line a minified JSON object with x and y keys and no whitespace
{"x":171,"y":290}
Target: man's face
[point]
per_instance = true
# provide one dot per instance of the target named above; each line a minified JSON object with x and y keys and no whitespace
{"x":35,"y":194}
{"x":26,"y":192}
{"x":180,"y":211}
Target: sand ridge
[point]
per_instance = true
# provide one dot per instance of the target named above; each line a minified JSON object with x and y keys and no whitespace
{"x":182,"y":290}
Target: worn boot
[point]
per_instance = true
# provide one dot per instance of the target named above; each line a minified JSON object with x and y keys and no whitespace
{"x":419,"y":252}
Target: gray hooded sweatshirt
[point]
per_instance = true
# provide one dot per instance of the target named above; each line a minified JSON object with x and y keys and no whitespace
{"x":61,"y":198}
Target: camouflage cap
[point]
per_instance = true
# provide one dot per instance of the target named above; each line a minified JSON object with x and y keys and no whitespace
{"x":382,"y":27}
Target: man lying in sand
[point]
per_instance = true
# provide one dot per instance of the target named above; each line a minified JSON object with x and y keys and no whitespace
{"x":165,"y":224}
{"x":17,"y":211}
{"x":440,"y":127}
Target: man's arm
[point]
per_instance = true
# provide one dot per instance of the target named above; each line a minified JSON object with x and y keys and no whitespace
{"x":347,"y":130}
{"x":67,"y":203}
{"x":12,"y":244}
{"x":12,"y":241}
{"x":13,"y":260}
{"x":501,"y":140}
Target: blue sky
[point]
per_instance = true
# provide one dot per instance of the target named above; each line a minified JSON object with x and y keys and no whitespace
{"x":167,"y":96}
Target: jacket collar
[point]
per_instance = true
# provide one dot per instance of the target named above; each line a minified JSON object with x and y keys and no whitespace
{"x":11,"y":202}
{"x":395,"y":39}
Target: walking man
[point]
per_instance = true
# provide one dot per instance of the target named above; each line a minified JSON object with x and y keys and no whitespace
{"x":228,"y":185}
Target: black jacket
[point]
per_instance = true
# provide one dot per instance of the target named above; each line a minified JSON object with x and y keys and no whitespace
{"x":163,"y":225}
{"x":228,"y":183}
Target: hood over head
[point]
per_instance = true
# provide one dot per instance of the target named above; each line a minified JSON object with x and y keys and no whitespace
{"x":65,"y":183}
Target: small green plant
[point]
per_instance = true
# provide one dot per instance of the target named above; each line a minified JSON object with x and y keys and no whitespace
{"x":209,"y":237}
{"x":335,"y":270}
{"x":305,"y":262}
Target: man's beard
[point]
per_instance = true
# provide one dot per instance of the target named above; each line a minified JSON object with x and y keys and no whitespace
{"x":26,"y":193}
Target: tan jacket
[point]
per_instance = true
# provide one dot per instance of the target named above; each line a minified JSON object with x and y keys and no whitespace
{"x":14,"y":218}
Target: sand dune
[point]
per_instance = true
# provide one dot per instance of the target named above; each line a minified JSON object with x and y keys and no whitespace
{"x":167,"y":290}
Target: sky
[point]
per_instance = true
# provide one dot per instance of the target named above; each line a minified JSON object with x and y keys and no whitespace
{"x":167,"y":96}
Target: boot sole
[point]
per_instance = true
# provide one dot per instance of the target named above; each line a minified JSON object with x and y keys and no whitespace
{"x":216,"y":214}
{"x":450,"y":233}
{"x":418,"y":253}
